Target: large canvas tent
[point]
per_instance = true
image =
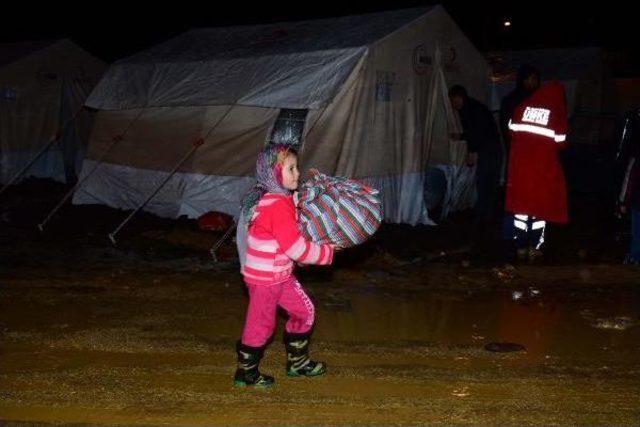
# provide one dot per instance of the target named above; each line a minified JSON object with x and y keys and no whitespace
{"x":367,"y":93}
{"x":43,"y":86}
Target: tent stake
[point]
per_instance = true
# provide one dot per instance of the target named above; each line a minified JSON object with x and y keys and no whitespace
{"x":220,"y":241}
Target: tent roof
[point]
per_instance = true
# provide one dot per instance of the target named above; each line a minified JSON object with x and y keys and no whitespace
{"x":291,"y":64}
{"x":284,"y":38}
{"x":12,"y":52}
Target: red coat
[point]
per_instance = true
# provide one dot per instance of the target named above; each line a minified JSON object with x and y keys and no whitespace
{"x":535,"y":181}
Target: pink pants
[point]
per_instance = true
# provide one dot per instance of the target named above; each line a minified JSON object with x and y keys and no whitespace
{"x":261,"y":313}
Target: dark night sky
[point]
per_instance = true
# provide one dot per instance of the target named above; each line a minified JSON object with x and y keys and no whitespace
{"x":113,"y":30}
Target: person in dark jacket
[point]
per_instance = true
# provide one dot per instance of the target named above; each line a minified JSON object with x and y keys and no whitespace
{"x":484,"y":151}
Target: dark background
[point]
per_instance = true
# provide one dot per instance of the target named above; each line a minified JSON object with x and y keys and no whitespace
{"x":112,"y":30}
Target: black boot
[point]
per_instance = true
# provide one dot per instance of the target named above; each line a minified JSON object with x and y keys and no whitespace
{"x":298,"y":362}
{"x":247,"y":373}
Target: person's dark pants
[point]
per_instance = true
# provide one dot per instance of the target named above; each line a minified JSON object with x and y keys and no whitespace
{"x":528,"y":231}
{"x":634,"y":245}
{"x":487,"y":184}
{"x":488,"y":190}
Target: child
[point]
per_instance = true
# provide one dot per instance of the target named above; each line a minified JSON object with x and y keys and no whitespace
{"x":273,"y":244}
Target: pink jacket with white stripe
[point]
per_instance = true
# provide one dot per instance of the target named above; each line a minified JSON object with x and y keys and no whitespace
{"x":274,"y":243}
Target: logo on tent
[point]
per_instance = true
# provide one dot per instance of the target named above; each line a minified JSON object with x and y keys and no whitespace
{"x":421,"y":59}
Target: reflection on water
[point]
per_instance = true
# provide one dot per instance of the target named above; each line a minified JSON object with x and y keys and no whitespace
{"x":546,"y":323}
{"x":530,"y":322}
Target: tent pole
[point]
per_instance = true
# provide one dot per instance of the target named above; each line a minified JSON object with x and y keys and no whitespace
{"x":220,"y":241}
{"x":116,"y":139}
{"x":196,"y":145}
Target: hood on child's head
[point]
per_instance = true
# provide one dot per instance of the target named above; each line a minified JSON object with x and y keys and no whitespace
{"x":269,"y":166}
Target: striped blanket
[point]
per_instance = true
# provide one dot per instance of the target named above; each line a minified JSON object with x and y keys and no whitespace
{"x":337,"y":210}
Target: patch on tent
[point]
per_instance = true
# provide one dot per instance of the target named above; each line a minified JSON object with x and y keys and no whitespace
{"x":338,"y":210}
{"x":384,"y":85}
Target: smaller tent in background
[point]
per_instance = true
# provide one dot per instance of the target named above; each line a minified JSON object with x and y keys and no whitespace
{"x":43,"y":87}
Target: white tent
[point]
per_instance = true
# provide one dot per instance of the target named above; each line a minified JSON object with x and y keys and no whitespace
{"x":43,"y":86}
{"x":367,"y":93}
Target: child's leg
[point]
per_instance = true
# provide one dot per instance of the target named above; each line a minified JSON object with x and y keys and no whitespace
{"x":297,"y":334}
{"x":261,"y":314}
{"x":298,"y":306}
{"x":258,"y":328}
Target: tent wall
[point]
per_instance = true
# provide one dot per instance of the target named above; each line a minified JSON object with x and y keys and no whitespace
{"x":156,"y":138}
{"x":189,"y":194}
{"x":375,"y":128}
{"x":214,"y":178}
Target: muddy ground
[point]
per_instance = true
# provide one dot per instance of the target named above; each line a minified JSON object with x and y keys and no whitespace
{"x":142,"y":333}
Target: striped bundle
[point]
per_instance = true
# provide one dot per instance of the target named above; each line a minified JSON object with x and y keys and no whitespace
{"x":337,"y":210}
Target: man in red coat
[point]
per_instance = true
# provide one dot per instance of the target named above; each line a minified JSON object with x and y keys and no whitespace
{"x":536,"y":190}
